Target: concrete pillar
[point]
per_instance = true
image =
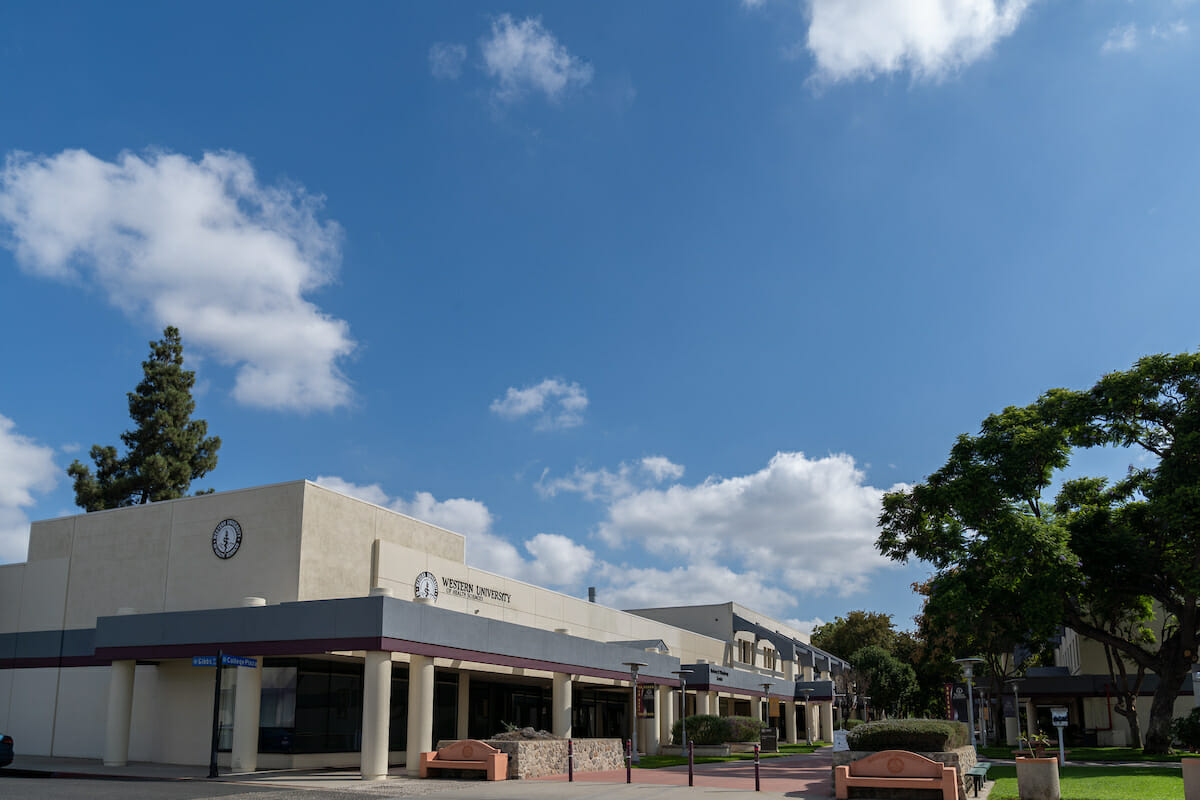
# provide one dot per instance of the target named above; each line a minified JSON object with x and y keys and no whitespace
{"x":560,"y":704}
{"x":789,"y":721}
{"x":826,"y":722}
{"x":651,"y":727}
{"x":704,"y":703}
{"x":668,"y":712}
{"x":420,"y":710}
{"x":377,"y":713}
{"x":247,"y":694}
{"x":461,"y":729}
{"x":1030,"y":717}
{"x":120,"y":712}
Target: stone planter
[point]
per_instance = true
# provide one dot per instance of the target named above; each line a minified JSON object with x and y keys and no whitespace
{"x":964,"y":758}
{"x":538,"y":758}
{"x":1037,"y":779}
{"x":1191,"y":777}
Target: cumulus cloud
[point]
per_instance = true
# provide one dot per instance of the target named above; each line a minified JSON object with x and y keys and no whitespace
{"x":930,"y":39}
{"x":26,"y":468}
{"x":446,"y":60}
{"x":625,"y":586}
{"x":553,"y":403}
{"x":805,"y":626}
{"x":523,"y":56}
{"x":201,"y":245}
{"x":806,"y":524}
{"x":603,"y":484}
{"x":547,"y":559}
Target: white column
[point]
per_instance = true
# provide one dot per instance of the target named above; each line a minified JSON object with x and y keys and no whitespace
{"x":247,"y":698}
{"x":420,"y":710}
{"x":704,"y":703}
{"x":667,"y":703}
{"x":789,"y":721}
{"x":464,"y":706}
{"x":120,"y":711}
{"x":377,"y":713}
{"x":560,"y":704}
{"x":827,"y":722}
{"x":651,"y":725}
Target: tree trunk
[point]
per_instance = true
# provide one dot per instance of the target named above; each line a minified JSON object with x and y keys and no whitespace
{"x":1128,"y":710}
{"x":1162,"y":709}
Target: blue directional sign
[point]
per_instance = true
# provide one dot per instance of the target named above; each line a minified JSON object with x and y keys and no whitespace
{"x":239,"y":661}
{"x":227,"y":661}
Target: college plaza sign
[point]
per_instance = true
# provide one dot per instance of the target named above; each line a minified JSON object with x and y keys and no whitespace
{"x":472,"y":591}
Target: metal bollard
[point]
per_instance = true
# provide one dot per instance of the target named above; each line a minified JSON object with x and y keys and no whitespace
{"x":691,"y":763}
{"x":570,"y":760}
{"x":757,"y":784}
{"x":628,"y":761}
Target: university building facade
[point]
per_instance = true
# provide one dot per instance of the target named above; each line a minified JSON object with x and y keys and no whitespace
{"x":371,"y":640}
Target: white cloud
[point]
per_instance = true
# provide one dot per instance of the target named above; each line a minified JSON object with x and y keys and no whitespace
{"x":1126,"y":38}
{"x":25,"y":468}
{"x":807,"y":524}
{"x":631,"y":587}
{"x":524,"y":56}
{"x":603,"y":484}
{"x":1123,"y":38}
{"x":556,"y":404}
{"x":548,"y":560}
{"x":446,"y":60}
{"x":805,"y":626}
{"x":930,"y":38}
{"x":201,"y":245}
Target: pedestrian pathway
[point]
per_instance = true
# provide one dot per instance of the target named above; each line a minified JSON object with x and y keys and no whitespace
{"x":794,"y":776}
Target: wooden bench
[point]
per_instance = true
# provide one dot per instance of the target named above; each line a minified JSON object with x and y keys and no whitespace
{"x":467,"y":754}
{"x":978,"y":774}
{"x":896,"y":769}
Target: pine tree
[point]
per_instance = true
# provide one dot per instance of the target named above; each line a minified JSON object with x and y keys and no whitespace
{"x":164,"y":452}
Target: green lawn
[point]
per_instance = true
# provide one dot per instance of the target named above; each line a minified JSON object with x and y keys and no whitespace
{"x":657,"y":762}
{"x":1100,"y":783}
{"x":1086,"y":754}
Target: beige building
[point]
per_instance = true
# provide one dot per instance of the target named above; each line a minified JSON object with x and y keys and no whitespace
{"x":370,"y":639}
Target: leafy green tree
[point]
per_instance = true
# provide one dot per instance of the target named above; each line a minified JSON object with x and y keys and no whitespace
{"x":889,"y":683}
{"x":1109,"y":559}
{"x":164,"y":452}
{"x":855,"y":631}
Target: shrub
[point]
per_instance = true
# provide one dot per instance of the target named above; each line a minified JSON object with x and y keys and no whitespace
{"x":1186,"y":730}
{"x":709,"y":729}
{"x":745,"y":729}
{"x":851,"y":724}
{"x":920,"y":735}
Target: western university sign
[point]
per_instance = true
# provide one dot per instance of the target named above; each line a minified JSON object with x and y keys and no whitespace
{"x":472,"y":591}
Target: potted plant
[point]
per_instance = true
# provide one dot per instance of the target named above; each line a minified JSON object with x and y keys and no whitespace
{"x":1038,"y":742}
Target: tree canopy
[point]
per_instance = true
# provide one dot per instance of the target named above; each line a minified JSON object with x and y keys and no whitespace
{"x":1112,"y":559}
{"x":164,"y":452}
{"x":856,"y":630}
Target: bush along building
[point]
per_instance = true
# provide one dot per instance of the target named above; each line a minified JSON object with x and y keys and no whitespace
{"x":362,"y":636}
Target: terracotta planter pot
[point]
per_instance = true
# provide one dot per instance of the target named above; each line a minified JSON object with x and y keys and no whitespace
{"x":1191,"y":777}
{"x":1037,"y":779}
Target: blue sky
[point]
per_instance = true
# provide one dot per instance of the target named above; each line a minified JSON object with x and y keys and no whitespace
{"x":657,"y":298}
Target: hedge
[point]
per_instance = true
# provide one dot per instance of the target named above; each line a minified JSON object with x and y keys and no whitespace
{"x":709,"y":729}
{"x":919,"y":735}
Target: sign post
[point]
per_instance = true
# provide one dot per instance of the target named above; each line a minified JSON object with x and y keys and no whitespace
{"x":220,"y":660}
{"x":1058,"y":717}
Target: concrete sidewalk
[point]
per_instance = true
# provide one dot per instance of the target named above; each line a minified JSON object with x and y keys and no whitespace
{"x":790,"y":776}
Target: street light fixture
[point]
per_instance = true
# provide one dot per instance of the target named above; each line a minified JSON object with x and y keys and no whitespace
{"x":634,"y":666}
{"x":767,"y":698}
{"x":968,"y":668}
{"x":1016,"y":707}
{"x":683,"y":673}
{"x":807,"y":720}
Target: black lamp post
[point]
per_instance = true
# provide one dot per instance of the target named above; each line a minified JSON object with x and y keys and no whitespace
{"x":807,"y":721}
{"x":683,"y":673}
{"x":634,"y":666}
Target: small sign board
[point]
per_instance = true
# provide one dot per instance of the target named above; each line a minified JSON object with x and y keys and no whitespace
{"x":768,"y":740}
{"x":839,"y":741}
{"x":227,"y":661}
{"x":1058,"y":717}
